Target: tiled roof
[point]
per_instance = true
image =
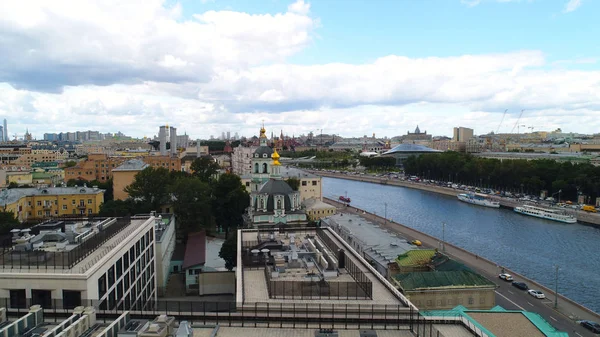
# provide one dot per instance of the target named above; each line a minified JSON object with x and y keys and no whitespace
{"x":195,"y":250}
{"x":416,"y":257}
{"x":441,"y":279}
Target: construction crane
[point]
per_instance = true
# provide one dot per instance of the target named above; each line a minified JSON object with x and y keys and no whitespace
{"x":531,"y":128}
{"x":499,"y":125}
{"x":517,"y":123}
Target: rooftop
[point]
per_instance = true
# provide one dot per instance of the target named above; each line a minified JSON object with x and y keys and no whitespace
{"x":315,"y":260}
{"x":312,"y":203}
{"x":499,"y":322}
{"x":131,"y":165}
{"x":441,"y":279}
{"x":292,"y":172}
{"x":9,"y":196}
{"x":67,"y":247}
{"x":381,"y":244}
{"x":416,"y":257}
{"x":412,"y":148}
{"x":195,"y":250}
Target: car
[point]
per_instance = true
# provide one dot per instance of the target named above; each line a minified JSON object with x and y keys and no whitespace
{"x":520,"y":285}
{"x":505,"y":277}
{"x":536,"y":294}
{"x":592,"y":326}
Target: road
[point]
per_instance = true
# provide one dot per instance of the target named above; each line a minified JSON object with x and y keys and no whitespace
{"x":507,"y":296}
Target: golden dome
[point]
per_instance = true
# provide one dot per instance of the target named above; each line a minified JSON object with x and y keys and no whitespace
{"x":275,"y":157}
{"x":262,"y":132}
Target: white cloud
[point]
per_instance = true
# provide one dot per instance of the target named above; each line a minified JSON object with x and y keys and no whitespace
{"x":49,"y":45}
{"x":133,"y":66}
{"x":572,"y":5}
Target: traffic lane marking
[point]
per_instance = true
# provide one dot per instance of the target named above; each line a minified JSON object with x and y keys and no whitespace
{"x":508,"y":299}
{"x":510,"y":292}
{"x":530,"y":304}
{"x":554,"y":319}
{"x":578,"y":334}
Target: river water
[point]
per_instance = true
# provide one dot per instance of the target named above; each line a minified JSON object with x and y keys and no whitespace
{"x":527,"y":245}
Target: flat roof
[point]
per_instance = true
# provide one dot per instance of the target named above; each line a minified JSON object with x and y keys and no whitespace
{"x":255,"y":282}
{"x":292,"y":172}
{"x":506,"y":324}
{"x":382,"y":244}
{"x":57,"y":262}
{"x":292,"y":332}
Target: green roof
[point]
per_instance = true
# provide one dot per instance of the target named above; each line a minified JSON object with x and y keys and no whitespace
{"x":540,"y":323}
{"x":416,"y":257}
{"x":441,"y":279}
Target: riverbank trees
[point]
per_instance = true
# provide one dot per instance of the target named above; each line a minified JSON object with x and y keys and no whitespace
{"x":526,"y":176}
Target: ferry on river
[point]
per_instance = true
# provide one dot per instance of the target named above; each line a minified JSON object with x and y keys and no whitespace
{"x":478,"y":199}
{"x":544,"y":213}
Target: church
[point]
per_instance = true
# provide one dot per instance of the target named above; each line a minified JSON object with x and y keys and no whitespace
{"x":273,"y":203}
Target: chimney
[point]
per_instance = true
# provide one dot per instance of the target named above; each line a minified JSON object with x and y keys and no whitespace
{"x":173,"y":135}
{"x":162,"y":138}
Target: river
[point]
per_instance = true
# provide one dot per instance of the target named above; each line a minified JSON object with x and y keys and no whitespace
{"x":527,"y":245}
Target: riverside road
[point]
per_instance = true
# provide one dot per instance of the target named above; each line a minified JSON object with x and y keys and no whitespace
{"x":523,"y":244}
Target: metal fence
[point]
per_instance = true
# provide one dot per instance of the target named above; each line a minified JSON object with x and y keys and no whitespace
{"x":316,"y":290}
{"x":39,"y":259}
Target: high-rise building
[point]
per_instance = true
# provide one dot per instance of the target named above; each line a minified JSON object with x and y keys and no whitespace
{"x":462,"y":134}
{"x":5,"y":131}
{"x":1,"y":134}
{"x":228,"y":135}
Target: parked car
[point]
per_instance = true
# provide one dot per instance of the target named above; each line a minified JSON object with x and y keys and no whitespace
{"x":520,"y":285}
{"x":536,"y":294}
{"x":592,"y":326}
{"x":505,"y":277}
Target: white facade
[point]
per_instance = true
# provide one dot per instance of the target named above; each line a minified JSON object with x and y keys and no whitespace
{"x":165,"y":246}
{"x":120,"y":273}
{"x":241,"y":160}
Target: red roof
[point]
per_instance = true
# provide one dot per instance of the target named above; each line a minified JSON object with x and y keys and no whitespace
{"x":195,"y":250}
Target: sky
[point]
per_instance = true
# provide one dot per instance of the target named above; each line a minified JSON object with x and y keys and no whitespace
{"x":346,"y":67}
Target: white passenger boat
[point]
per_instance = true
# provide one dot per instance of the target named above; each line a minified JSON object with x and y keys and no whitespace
{"x":478,"y":199}
{"x":545,"y":213}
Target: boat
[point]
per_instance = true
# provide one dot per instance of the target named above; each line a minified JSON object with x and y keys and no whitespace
{"x":344,"y":199}
{"x":478,"y":199}
{"x":545,"y":213}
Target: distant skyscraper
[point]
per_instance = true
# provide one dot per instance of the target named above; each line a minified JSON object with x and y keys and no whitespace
{"x":223,"y":135}
{"x":1,"y":134}
{"x":5,"y":131}
{"x":462,"y":134}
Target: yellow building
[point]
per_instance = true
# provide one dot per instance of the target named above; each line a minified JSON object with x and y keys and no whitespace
{"x":34,"y":203}
{"x":316,"y":209}
{"x":19,"y":177}
{"x":124,"y":175}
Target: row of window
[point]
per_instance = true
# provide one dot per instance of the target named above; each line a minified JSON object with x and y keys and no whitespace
{"x":131,"y":278}
{"x":314,"y":182}
{"x":55,"y":202}
{"x":48,"y":213}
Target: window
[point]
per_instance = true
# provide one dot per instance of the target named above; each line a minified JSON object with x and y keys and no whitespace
{"x":90,"y":211}
{"x":89,"y":201}
{"x":39,"y":203}
{"x":111,"y":276}
{"x":101,"y":286}
{"x":73,"y":202}
{"x":471,"y":301}
{"x":119,"y":268}
{"x":64,"y":207}
{"x":39,"y":213}
{"x":303,"y":182}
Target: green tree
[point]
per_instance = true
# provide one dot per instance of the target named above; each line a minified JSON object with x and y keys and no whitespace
{"x":230,"y":202}
{"x":294,"y":183}
{"x":8,"y":221}
{"x":12,"y":184}
{"x":192,"y":204}
{"x":228,"y":251}
{"x":123,"y":208}
{"x":70,"y":163}
{"x":205,"y":168}
{"x":151,"y":185}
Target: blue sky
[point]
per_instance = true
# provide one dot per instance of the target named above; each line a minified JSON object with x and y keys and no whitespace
{"x":360,"y":31}
{"x":348,"y":67}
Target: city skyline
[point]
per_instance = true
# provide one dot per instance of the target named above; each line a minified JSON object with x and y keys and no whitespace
{"x":300,"y":66}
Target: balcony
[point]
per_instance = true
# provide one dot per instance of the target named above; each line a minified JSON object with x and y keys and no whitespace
{"x":80,"y":206}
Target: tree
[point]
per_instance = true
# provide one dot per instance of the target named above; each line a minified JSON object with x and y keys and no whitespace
{"x":12,"y":184}
{"x":192,"y":204}
{"x":228,"y":251}
{"x":70,"y":163}
{"x":204,"y":168}
{"x":151,"y":185}
{"x":230,"y":201}
{"x":127,"y":207}
{"x":8,"y":221}
{"x":294,"y":183}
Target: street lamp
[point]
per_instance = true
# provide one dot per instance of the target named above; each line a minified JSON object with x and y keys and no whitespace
{"x":385,"y":203}
{"x":556,"y":287}
{"x":443,"y":237}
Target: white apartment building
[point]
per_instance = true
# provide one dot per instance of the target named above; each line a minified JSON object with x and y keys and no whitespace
{"x":241,"y":160}
{"x":108,"y":263}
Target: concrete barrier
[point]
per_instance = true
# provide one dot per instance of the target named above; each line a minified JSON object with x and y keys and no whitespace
{"x":463,"y":255}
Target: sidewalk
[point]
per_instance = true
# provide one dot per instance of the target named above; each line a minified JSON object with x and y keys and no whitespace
{"x":566,"y":306}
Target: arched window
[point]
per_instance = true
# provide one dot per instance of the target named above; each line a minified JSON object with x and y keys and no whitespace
{"x":265,"y":168}
{"x":256,"y":168}
{"x":263,"y":203}
{"x":278,"y":203}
